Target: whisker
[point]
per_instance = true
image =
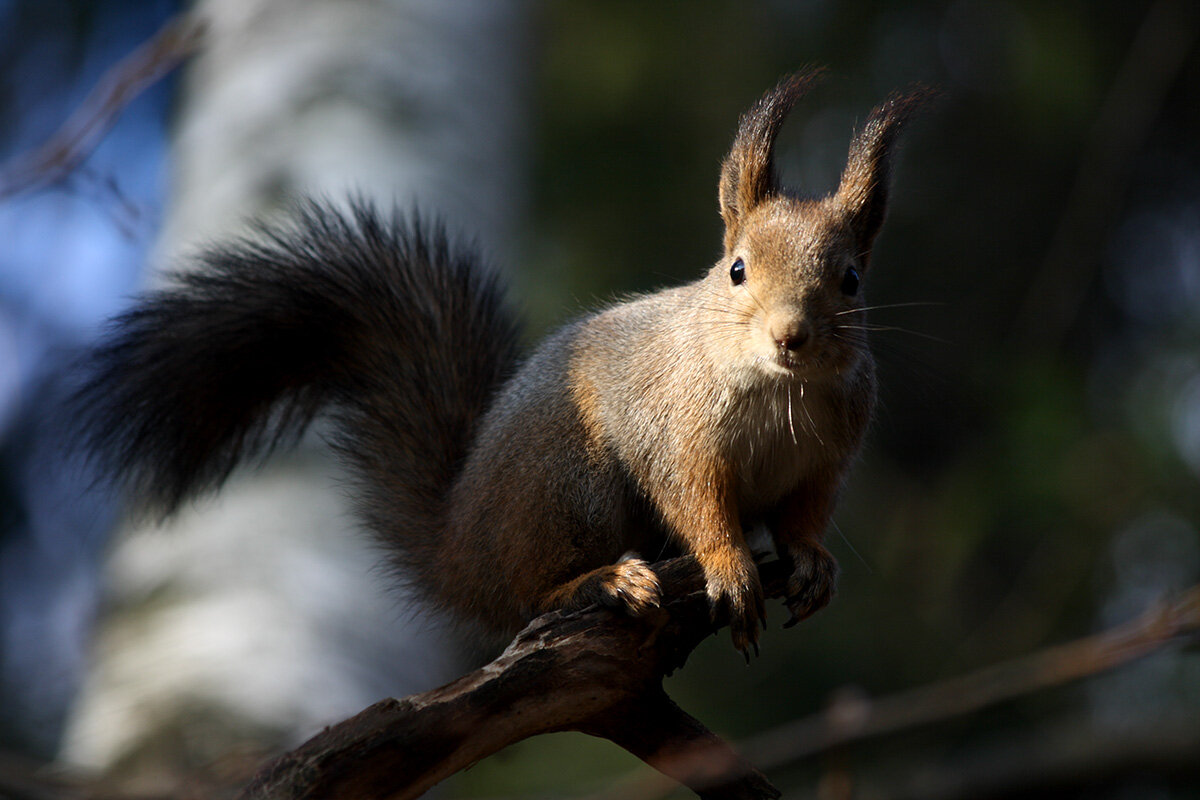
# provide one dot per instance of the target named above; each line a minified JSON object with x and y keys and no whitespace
{"x":816,"y":434}
{"x":725,"y":305}
{"x":893,"y":328}
{"x":791,"y":420}
{"x":853,"y":550}
{"x":889,"y":305}
{"x":754,"y":298}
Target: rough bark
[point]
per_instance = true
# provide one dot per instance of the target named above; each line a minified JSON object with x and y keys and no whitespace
{"x":588,"y":671}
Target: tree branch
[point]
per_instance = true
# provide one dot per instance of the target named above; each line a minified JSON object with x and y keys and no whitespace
{"x":856,"y":718}
{"x":178,"y":39}
{"x":590,"y":671}
{"x":599,"y":673}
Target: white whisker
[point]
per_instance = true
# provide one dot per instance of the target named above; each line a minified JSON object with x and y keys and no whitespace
{"x":791,"y":421}
{"x":816,"y":434}
{"x":887,"y":305}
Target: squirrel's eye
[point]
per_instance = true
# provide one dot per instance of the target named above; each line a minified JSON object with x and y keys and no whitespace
{"x":737,"y":273}
{"x":850,"y":282}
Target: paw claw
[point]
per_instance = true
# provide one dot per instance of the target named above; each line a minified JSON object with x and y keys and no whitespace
{"x":812,"y":583}
{"x":735,"y":595}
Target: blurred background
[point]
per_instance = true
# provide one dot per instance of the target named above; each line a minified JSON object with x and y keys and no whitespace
{"x":1032,"y":474}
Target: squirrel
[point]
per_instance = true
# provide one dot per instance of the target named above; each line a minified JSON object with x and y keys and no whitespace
{"x":503,"y":486}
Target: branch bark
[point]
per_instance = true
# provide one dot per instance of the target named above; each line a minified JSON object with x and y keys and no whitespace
{"x":854,"y":718}
{"x":589,"y":671}
{"x":601,"y":674}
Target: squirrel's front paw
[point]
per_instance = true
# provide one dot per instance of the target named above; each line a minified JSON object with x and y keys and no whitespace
{"x":630,"y":584}
{"x":734,"y":592}
{"x":812,"y":583}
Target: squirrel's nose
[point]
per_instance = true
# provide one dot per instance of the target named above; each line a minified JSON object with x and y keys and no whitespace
{"x":791,"y":335}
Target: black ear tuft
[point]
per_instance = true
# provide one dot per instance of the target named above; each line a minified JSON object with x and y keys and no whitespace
{"x":748,"y":172}
{"x":863,"y":191}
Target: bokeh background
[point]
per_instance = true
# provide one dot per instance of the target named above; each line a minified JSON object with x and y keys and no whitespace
{"x":1031,"y":477}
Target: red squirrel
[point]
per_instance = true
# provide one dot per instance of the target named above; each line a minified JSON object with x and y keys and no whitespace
{"x":507,"y":486}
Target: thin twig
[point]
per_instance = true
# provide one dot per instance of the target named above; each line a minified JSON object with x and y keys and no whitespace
{"x":174,"y":42}
{"x":855,"y":718}
{"x":858,"y":718}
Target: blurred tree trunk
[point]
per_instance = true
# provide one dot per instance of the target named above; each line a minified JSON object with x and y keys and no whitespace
{"x":253,"y":618}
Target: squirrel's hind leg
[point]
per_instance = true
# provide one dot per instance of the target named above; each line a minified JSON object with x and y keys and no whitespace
{"x":629,"y":585}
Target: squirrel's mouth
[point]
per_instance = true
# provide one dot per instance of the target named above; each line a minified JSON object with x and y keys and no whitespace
{"x":811,"y":365}
{"x":786,"y":363}
{"x":783,"y":365}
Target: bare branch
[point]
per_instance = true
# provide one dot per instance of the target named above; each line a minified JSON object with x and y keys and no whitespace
{"x":854,"y":718}
{"x":589,"y":671}
{"x":601,"y":674}
{"x":178,"y":39}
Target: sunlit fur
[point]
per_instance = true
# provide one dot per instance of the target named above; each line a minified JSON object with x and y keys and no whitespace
{"x":670,"y":422}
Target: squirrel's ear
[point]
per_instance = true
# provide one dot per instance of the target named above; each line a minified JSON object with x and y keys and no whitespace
{"x":748,"y":172}
{"x":862,"y":194}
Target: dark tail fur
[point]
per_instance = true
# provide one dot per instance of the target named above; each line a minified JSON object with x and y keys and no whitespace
{"x":403,"y":337}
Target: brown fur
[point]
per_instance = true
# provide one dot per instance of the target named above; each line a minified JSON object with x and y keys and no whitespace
{"x":672,"y":420}
{"x":669,"y":423}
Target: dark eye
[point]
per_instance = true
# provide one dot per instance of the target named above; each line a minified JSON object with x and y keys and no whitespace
{"x":850,"y":282}
{"x":737,"y":273}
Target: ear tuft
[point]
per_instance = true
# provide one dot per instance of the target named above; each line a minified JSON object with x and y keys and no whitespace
{"x":748,"y":172}
{"x":863,"y":191}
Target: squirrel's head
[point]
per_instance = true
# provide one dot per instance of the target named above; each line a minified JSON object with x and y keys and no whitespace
{"x":794,"y":266}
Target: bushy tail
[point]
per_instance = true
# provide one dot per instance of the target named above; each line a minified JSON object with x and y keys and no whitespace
{"x":402,"y":337}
